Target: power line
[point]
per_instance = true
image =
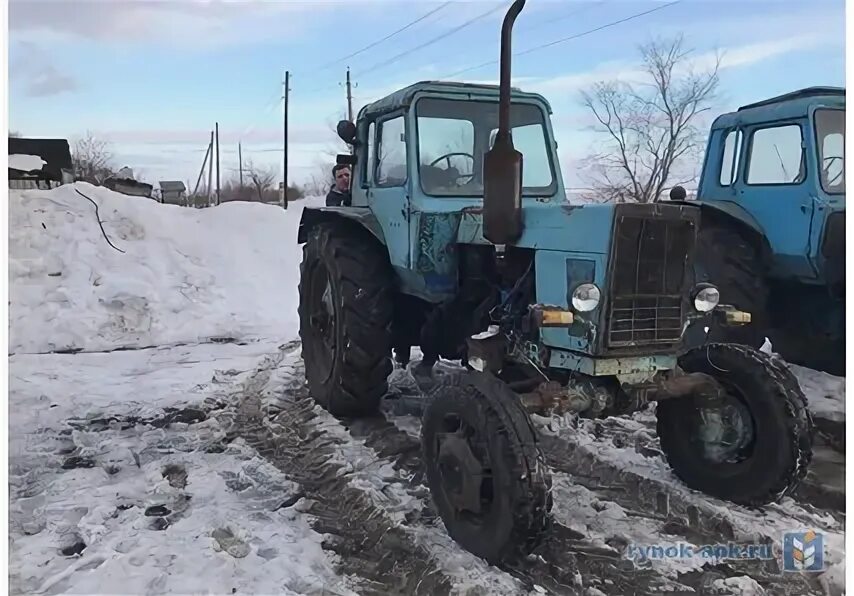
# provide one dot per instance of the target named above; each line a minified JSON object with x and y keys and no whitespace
{"x":427,"y":43}
{"x":565,"y":39}
{"x":563,"y":17}
{"x":386,"y":38}
{"x":430,"y":42}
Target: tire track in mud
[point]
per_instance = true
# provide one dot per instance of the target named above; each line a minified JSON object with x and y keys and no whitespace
{"x":634,"y":477}
{"x":598,"y":555}
{"x":814,"y":492}
{"x":665,"y":509}
{"x":368,"y":523}
{"x":376,"y":529}
{"x":566,"y":563}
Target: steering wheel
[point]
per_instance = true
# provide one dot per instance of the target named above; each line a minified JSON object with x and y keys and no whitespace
{"x":448,"y":156}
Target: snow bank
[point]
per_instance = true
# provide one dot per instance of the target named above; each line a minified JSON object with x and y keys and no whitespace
{"x":184,"y":276}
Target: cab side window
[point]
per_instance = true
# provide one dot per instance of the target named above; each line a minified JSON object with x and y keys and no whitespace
{"x":730,"y":160}
{"x":777,"y":156}
{"x":391,"y":153}
{"x":368,"y":164}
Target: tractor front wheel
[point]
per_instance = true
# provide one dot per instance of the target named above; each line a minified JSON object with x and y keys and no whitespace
{"x":345,"y":314}
{"x":752,"y":445}
{"x":486,"y":474}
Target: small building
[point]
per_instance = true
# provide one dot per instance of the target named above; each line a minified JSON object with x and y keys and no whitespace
{"x":173,"y":192}
{"x":124,"y":182}
{"x":39,"y":163}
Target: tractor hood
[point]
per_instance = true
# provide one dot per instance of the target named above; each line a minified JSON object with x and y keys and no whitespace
{"x":570,"y":228}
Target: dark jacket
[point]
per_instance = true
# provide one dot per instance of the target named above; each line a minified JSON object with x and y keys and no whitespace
{"x":336,"y":198}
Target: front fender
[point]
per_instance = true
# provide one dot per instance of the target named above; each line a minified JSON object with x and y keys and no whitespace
{"x":732,"y":213}
{"x":363,"y":216}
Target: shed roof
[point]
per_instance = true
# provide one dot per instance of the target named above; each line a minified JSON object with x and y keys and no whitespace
{"x":55,"y":152}
{"x":172,"y":186}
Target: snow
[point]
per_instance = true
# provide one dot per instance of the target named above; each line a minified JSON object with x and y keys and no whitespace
{"x":825,"y":392}
{"x":185,"y":276}
{"x":740,"y":586}
{"x":227,"y":532}
{"x":26,"y":163}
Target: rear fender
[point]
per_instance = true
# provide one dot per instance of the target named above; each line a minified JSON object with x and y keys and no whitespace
{"x":363,"y":216}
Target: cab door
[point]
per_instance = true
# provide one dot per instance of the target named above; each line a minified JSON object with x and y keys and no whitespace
{"x":775,"y":189}
{"x":388,"y":184}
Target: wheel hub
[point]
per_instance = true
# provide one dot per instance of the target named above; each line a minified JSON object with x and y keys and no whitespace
{"x":725,"y":430}
{"x":462,"y":473}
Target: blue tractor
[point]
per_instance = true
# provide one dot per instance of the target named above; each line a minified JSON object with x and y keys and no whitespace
{"x":772,"y":197}
{"x":456,"y":244}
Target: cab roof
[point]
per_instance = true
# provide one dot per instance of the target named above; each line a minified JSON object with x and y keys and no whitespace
{"x":403,"y":97}
{"x":794,"y":104}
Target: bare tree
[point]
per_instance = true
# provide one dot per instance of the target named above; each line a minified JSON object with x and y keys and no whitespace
{"x":262,"y":178}
{"x":650,"y":131}
{"x":92,"y":159}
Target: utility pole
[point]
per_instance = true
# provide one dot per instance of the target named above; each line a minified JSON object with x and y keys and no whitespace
{"x":217,"y":163}
{"x":210,"y":171}
{"x":285,"y":142}
{"x":240,"y":165}
{"x":202,"y":171}
{"x":349,"y":98}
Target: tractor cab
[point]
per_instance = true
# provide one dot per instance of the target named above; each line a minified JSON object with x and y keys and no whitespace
{"x":419,"y":168}
{"x":428,"y":141}
{"x":779,"y":165}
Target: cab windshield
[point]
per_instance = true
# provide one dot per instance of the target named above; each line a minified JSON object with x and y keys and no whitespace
{"x":453,"y":135}
{"x":830,"y":141}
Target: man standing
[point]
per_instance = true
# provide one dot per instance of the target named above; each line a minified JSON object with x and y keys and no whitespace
{"x":339,"y":194}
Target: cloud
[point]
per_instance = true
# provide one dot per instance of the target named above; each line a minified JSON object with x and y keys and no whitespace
{"x":187,"y":23}
{"x":737,"y":57}
{"x":36,"y":70}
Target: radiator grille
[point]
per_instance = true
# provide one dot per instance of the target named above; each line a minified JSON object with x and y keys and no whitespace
{"x":648,"y":272}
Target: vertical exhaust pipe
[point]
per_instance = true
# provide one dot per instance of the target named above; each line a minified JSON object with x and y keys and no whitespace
{"x":502,"y":164}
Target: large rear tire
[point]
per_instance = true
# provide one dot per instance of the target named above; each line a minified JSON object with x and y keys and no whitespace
{"x":486,"y":473}
{"x":345,"y":315}
{"x":752,"y":446}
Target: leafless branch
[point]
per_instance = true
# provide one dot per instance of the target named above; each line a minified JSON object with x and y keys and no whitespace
{"x":92,"y":159}
{"x":649,"y":132}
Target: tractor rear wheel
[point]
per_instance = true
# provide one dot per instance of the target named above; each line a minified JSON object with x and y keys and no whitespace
{"x":726,"y":259}
{"x":345,"y":313}
{"x":486,"y":473}
{"x":751,"y":446}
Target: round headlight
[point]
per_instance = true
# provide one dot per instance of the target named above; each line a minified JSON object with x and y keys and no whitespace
{"x":586,"y":297}
{"x":707,"y":299}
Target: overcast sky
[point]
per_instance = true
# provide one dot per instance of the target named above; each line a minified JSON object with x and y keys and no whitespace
{"x":152,"y":77}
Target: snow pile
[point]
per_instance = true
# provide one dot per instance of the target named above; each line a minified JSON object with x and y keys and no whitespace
{"x":183,"y":276}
